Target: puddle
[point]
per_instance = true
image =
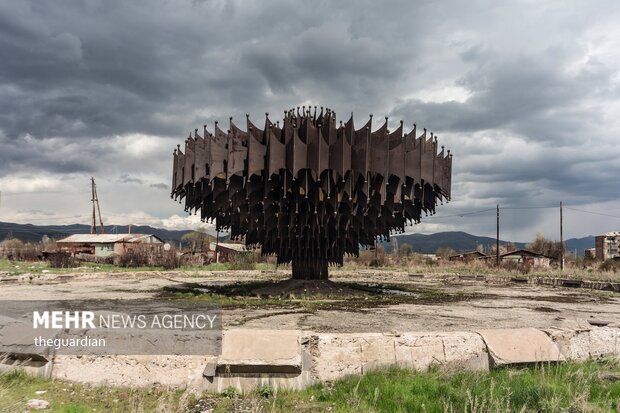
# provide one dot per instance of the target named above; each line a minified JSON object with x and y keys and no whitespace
{"x":399,"y":292}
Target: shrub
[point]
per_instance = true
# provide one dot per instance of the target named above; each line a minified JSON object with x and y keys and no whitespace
{"x":265,"y":390}
{"x":61,"y":259}
{"x":15,"y":249}
{"x":169,"y":260}
{"x":133,"y":258}
{"x":609,"y":265}
{"x":405,"y":250}
{"x":230,"y":392}
{"x":242,"y":261}
{"x":372,"y":257}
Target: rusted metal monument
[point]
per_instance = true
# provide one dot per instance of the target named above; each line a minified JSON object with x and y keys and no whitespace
{"x":309,"y":190}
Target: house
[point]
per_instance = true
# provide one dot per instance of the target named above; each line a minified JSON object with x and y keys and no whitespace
{"x":468,"y":256}
{"x":589,"y":253}
{"x":107,"y":245}
{"x":224,"y":251}
{"x":607,"y":246}
{"x":523,"y":256}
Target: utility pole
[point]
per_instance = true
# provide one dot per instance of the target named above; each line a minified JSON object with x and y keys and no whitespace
{"x":95,"y":200}
{"x":376,"y":253}
{"x":497,"y":240}
{"x":561,"y":239}
{"x":93,"y":222}
{"x":217,"y":243}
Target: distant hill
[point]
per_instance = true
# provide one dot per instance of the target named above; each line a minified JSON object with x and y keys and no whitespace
{"x":30,"y":233}
{"x":462,"y":241}
{"x":579,"y":244}
{"x":457,"y":240}
{"x":427,"y":244}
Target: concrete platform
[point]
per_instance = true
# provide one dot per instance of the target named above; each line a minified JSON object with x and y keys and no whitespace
{"x":295,"y":359}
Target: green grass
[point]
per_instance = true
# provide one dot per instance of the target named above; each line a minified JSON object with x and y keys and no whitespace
{"x":41,"y":267}
{"x":16,"y":388}
{"x":567,"y":387}
{"x":543,"y":388}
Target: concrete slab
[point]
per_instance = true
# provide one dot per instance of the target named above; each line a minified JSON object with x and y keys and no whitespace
{"x":584,"y":344}
{"x":260,"y":351}
{"x":337,"y":355}
{"x":520,"y":345}
{"x":133,"y":371}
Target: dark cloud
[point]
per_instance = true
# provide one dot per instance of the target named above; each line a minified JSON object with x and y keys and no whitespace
{"x":126,"y":179}
{"x":528,"y":105}
{"x":27,"y":154}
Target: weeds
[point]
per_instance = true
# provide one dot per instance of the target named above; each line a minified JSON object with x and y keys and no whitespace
{"x":570,"y":387}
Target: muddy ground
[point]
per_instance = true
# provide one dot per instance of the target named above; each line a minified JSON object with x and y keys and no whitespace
{"x":361,"y":301}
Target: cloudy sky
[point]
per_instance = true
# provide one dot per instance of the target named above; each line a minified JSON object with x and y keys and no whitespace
{"x":525,"y":93}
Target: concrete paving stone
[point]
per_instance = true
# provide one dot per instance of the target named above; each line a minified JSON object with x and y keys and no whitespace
{"x":260,"y":351}
{"x":520,"y":345}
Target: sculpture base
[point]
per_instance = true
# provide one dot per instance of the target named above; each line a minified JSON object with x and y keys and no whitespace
{"x":309,"y":270}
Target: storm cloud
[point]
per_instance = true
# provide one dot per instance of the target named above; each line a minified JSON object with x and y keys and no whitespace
{"x":526,"y":95}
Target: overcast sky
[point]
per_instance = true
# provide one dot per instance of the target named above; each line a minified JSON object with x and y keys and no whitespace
{"x":526,"y":94}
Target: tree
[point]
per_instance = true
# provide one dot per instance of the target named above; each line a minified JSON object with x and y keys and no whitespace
{"x":544,"y":246}
{"x":405,"y":250}
{"x":445,"y":252}
{"x":198,"y":240}
{"x":508,"y":247}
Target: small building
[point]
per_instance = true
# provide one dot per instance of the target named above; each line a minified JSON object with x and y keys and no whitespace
{"x":607,"y":246}
{"x":468,"y":256}
{"x":225,"y":251}
{"x":589,"y":253}
{"x":527,"y":257}
{"x":107,"y":245}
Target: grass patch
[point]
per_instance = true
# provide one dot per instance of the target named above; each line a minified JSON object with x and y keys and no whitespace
{"x":572,"y":387}
{"x":11,"y":268}
{"x":16,"y":388}
{"x":561,"y":387}
{"x":335,"y":296}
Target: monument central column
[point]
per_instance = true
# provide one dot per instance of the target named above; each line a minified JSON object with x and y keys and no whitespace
{"x":309,"y":269}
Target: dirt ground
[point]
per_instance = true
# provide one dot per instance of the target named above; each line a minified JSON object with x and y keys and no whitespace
{"x":360,"y":301}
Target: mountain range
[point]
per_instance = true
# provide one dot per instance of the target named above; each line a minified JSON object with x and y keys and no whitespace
{"x":462,"y":241}
{"x":33,"y":233}
{"x":427,"y":244}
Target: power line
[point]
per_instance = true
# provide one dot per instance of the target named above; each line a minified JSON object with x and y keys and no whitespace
{"x":593,"y":213}
{"x":529,"y":207}
{"x":464,"y":214}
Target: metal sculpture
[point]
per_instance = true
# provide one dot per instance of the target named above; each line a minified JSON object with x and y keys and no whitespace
{"x":310,"y":191}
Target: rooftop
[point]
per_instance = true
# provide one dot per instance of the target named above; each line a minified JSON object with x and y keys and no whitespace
{"x":230,"y":246}
{"x":612,"y":234}
{"x":103,"y":238}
